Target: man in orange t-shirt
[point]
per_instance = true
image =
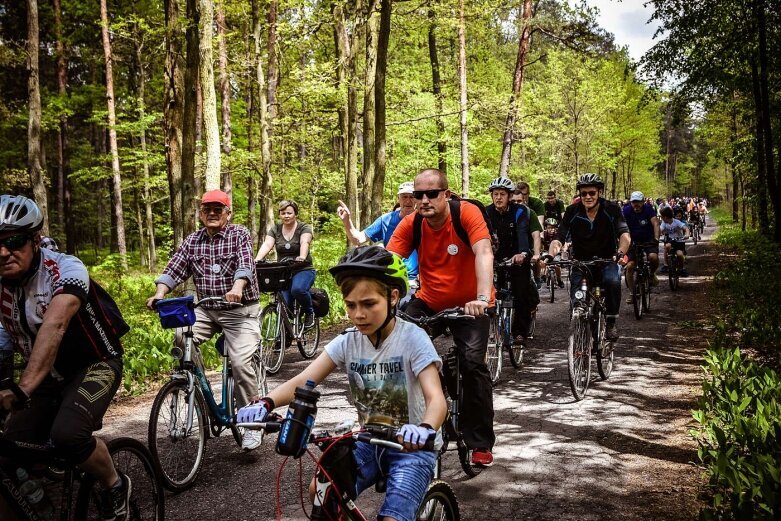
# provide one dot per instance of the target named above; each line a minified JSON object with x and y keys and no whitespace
{"x":451,"y":274}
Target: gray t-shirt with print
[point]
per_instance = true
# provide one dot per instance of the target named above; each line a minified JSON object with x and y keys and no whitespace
{"x":384,"y":382}
{"x":288,"y":250}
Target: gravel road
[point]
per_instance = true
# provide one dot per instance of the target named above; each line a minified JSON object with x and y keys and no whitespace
{"x":621,"y":453}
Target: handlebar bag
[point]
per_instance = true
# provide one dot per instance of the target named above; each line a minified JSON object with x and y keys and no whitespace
{"x":176,"y":312}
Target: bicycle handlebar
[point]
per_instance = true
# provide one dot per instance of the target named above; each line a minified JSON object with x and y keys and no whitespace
{"x":220,"y":300}
{"x":445,"y":314}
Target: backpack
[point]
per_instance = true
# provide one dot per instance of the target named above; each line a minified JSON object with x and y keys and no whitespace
{"x":320,"y":302}
{"x":455,"y":215}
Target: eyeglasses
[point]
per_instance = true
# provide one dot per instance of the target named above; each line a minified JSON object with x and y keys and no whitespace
{"x":431,"y":194}
{"x":589,"y":193}
{"x":522,"y":193}
{"x":213,"y":209}
{"x":14,"y":242}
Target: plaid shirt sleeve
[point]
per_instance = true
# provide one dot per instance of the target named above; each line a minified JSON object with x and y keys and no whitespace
{"x":178,"y":268}
{"x":246,"y":261}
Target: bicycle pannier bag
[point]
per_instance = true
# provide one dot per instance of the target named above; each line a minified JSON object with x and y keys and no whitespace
{"x":273,"y":277}
{"x":320,"y":302}
{"x":176,"y":312}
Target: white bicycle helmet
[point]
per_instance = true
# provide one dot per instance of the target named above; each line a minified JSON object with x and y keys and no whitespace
{"x":590,"y":180}
{"x":501,"y":183}
{"x":19,"y":214}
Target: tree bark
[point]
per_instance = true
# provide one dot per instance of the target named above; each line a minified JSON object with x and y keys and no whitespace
{"x":189,"y":121}
{"x":147,"y":224}
{"x":112,"y":137}
{"x":206,"y":81}
{"x":515,"y":97}
{"x":463,"y":100}
{"x":34,"y":168}
{"x":762,"y":172}
{"x":733,"y":148}
{"x":436,"y":88}
{"x":273,"y":64}
{"x":63,"y":159}
{"x":173,"y":115}
{"x":369,"y":107}
{"x":225,"y":94}
{"x":267,"y":211}
{"x":252,"y":183}
{"x":380,"y":151}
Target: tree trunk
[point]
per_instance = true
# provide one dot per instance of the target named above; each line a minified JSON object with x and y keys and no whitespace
{"x":189,"y":121}
{"x":762,"y":172}
{"x":34,"y":168}
{"x":380,"y":151}
{"x":173,"y":115}
{"x":112,"y":137}
{"x":273,"y":64}
{"x":369,"y":107}
{"x":463,"y":99}
{"x":63,"y":159}
{"x":733,"y":148}
{"x":206,"y":82}
{"x":148,"y":223}
{"x":436,"y":88}
{"x":225,"y":94}
{"x":515,"y":97}
{"x":267,"y":211}
{"x":252,"y":183}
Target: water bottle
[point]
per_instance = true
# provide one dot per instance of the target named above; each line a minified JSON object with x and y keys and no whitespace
{"x":301,"y":414}
{"x":34,"y":494}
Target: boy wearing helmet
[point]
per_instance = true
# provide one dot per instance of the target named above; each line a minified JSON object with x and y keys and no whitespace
{"x":596,"y":228}
{"x":393,"y":372}
{"x":550,"y":233}
{"x":68,"y":330}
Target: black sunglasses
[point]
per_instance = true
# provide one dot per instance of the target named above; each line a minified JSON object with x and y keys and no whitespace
{"x":589,"y":193}
{"x":15,"y":242}
{"x":213,"y":209}
{"x":431,"y":194}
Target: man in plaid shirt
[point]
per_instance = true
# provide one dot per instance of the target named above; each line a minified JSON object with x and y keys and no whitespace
{"x":220,"y":260}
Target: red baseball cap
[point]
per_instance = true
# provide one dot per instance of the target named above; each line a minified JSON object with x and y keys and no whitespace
{"x":216,"y":196}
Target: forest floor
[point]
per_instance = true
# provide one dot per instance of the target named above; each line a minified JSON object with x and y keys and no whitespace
{"x":623,"y":452}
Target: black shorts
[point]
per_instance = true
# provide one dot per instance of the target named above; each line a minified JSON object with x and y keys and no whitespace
{"x":67,"y":412}
{"x":647,"y":249}
{"x":678,"y":246}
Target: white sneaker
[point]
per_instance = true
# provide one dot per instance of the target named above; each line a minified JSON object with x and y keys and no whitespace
{"x":252,"y":440}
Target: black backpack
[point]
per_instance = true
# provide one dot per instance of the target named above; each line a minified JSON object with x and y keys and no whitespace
{"x":455,"y":215}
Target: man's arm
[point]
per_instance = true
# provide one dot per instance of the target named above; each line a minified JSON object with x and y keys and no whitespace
{"x":484,"y":271}
{"x":356,"y":236}
{"x":401,"y":240}
{"x":655,"y":225}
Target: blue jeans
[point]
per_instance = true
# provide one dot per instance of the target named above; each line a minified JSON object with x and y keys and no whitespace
{"x":299,"y":290}
{"x":408,"y":475}
{"x":609,"y":279}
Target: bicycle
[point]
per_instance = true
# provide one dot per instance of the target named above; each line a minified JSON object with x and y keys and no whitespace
{"x":185,"y":410}
{"x":694,"y":226}
{"x":587,"y":330}
{"x":642,"y":287}
{"x":335,"y":474}
{"x":674,"y":264}
{"x":500,"y":335}
{"x":452,"y":386}
{"x":147,"y":499}
{"x":278,"y":320}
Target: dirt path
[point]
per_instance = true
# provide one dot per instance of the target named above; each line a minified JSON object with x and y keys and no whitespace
{"x":621,"y":453}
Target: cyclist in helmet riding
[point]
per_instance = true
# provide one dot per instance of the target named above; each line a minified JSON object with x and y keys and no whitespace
{"x":393,"y":372}
{"x":68,"y":329}
{"x":596,"y":228}
{"x":512,"y":223}
{"x":643,"y":228}
{"x":550,"y":233}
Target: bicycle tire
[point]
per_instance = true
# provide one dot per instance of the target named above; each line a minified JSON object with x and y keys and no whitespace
{"x":439,"y":503}
{"x":579,"y":354}
{"x":552,"y":286}
{"x":695,"y":235}
{"x":603,"y":349}
{"x":465,"y":458}
{"x":309,"y":340}
{"x":272,"y":337}
{"x":532,"y":324}
{"x":147,"y":497}
{"x":177,"y":457}
{"x":516,"y":351}
{"x":671,"y":274}
{"x":260,"y":371}
{"x":493,"y":352}
{"x":638,"y":295}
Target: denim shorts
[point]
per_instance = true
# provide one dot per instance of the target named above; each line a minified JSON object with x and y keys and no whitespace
{"x":408,"y":476}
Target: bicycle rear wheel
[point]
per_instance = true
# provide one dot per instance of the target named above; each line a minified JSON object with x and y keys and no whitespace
{"x":177,"y":454}
{"x":638,"y":294}
{"x":439,"y":503}
{"x":272,"y":337}
{"x":579,"y":353}
{"x":147,"y":497}
{"x":493,"y":353}
{"x":465,"y":458}
{"x":309,"y":340}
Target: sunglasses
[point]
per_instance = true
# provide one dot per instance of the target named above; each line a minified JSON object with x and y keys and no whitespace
{"x":14,"y":242}
{"x":522,"y":193}
{"x":213,"y":209}
{"x":431,"y":194}
{"x":589,"y":193}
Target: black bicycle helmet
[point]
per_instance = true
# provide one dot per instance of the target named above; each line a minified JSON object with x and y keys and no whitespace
{"x":590,"y":180}
{"x":375,"y":262}
{"x":19,"y":214}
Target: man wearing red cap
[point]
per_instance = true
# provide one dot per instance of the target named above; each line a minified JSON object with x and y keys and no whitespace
{"x":220,"y":260}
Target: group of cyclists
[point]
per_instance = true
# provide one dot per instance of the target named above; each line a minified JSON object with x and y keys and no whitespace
{"x":439,"y":253}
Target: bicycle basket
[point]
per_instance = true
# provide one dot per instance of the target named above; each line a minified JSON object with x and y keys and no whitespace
{"x":273,"y":277}
{"x":176,"y":312}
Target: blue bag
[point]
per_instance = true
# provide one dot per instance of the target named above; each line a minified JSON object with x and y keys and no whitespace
{"x":176,"y":312}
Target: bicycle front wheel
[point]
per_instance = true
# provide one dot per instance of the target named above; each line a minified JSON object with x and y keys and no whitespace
{"x":309,"y":340}
{"x":147,"y":497}
{"x":603,"y":349}
{"x":439,"y":503}
{"x":638,"y":294}
{"x":177,"y":453}
{"x":493,"y":353}
{"x":579,"y":354}
{"x":552,"y":285}
{"x":647,"y":293}
{"x":272,"y":337}
{"x":515,"y":350}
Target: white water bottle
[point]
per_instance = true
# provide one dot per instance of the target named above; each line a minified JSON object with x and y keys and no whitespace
{"x":34,"y":494}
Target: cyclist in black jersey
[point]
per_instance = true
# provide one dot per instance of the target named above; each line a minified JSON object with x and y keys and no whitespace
{"x":68,"y":329}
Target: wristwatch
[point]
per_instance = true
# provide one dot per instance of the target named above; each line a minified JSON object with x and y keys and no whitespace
{"x":483,"y":298}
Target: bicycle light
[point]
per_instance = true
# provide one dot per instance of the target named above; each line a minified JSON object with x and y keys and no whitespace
{"x":177,"y":353}
{"x":580,"y":294}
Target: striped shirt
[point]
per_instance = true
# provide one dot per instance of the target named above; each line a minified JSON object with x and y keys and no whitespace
{"x":215,"y":263}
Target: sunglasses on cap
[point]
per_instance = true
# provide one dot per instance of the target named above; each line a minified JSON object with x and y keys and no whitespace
{"x":15,"y":242}
{"x":431,"y":194}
